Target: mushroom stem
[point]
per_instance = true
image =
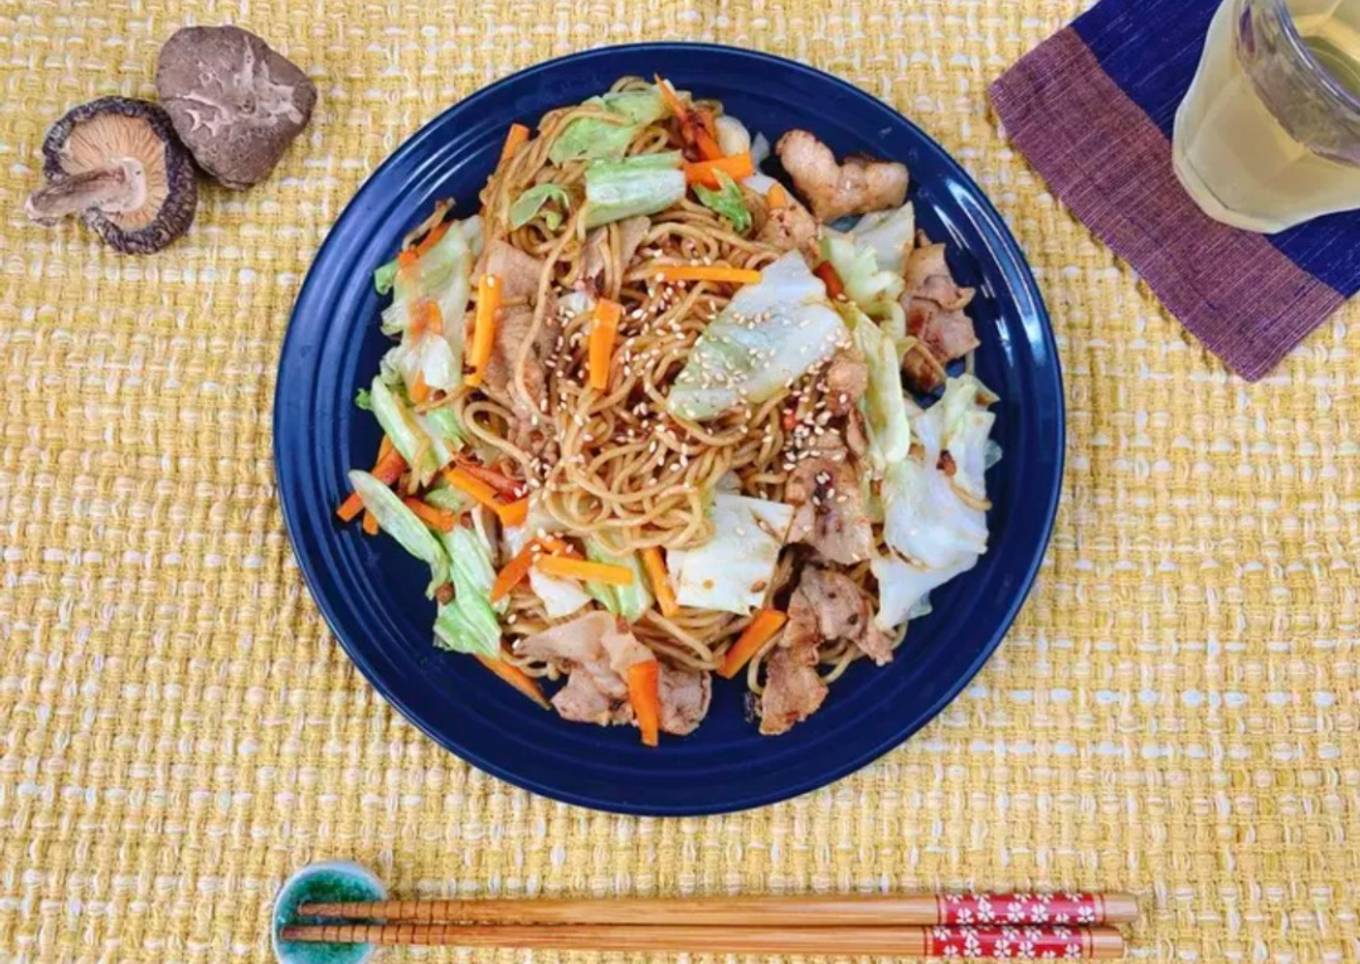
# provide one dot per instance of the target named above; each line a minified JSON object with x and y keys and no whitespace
{"x":78,"y":192}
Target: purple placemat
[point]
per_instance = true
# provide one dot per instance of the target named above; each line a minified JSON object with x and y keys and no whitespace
{"x":1092,"y":109}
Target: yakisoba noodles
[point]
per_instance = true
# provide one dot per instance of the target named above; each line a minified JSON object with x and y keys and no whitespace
{"x":654,"y":414}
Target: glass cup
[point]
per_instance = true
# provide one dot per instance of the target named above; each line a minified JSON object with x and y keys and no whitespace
{"x":1268,"y":135}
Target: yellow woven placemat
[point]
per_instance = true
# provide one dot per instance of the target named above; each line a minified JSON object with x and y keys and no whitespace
{"x":1175,"y":712}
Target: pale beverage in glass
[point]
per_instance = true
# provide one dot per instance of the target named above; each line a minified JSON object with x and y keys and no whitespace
{"x":1268,"y":135}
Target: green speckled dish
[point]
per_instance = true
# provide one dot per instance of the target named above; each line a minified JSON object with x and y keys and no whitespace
{"x":333,"y":880}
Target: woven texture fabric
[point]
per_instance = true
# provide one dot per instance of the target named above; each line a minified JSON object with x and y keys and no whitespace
{"x":1175,"y":712}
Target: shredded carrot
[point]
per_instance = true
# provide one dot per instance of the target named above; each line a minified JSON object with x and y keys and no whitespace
{"x":827,"y":272}
{"x":513,"y":513}
{"x":384,"y":448}
{"x":484,"y":326}
{"x":735,"y":166}
{"x":517,"y":569}
{"x":387,"y":470}
{"x":442,"y":519}
{"x":603,"y":331}
{"x":370,"y":523}
{"x":767,"y":622}
{"x":776,"y":197}
{"x":704,"y":137}
{"x":510,"y":514}
{"x":586,"y":571}
{"x":644,"y":692}
{"x":708,"y":272}
{"x":407,"y":258}
{"x":516,"y":677}
{"x":671,"y":98}
{"x":515,"y":138}
{"x":505,"y":486}
{"x":426,"y":316}
{"x":661,"y":584}
{"x":420,"y":391}
{"x":471,"y":485}
{"x":432,"y":237}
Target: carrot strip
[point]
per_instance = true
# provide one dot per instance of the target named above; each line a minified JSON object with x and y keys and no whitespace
{"x":432,"y":237}
{"x":475,"y":487}
{"x":510,"y":514}
{"x":757,"y":634}
{"x":407,"y":258}
{"x":603,"y":332}
{"x":735,"y":166}
{"x":515,"y":138}
{"x":420,"y":390}
{"x":484,"y":326}
{"x":707,"y":272}
{"x":503,"y":484}
{"x":661,"y":584}
{"x":671,"y":99}
{"x":387,"y":470}
{"x":442,"y":519}
{"x":370,"y":523}
{"x":776,"y":197}
{"x":586,"y":571}
{"x":513,"y":513}
{"x":517,"y":569}
{"x":516,"y":677}
{"x":704,"y":140}
{"x":827,"y":272}
{"x":426,"y":316}
{"x":644,"y":692}
{"x":384,"y":448}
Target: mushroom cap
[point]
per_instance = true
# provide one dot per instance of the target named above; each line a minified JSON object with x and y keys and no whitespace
{"x":135,"y":140}
{"x":236,"y":102}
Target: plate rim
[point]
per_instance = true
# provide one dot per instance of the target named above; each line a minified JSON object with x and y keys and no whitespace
{"x":294,"y":523}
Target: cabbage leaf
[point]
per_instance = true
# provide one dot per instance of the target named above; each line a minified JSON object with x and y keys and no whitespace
{"x":732,"y":571}
{"x":402,"y":524}
{"x":644,"y":184}
{"x":770,"y":333}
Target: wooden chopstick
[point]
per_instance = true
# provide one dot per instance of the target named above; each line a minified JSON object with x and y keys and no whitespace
{"x":1064,"y":942}
{"x":796,"y":911}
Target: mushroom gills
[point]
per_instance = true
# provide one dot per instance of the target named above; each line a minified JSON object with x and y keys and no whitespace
{"x":117,"y":163}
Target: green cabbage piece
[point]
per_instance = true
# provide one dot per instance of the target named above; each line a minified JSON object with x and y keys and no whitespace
{"x":400,"y":424}
{"x":595,"y":137}
{"x":732,"y":571}
{"x":469,"y":623}
{"x":443,"y":275}
{"x":727,"y":202}
{"x":925,"y":520}
{"x":770,"y":333}
{"x":363,"y":399}
{"x":889,"y":234}
{"x":401,"y":524}
{"x":644,"y":184}
{"x":528,"y":204}
{"x":875,"y":290}
{"x":629,"y":601}
{"x":384,"y":275}
{"x":883,"y":404}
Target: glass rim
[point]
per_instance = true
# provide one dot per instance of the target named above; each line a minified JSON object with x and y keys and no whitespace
{"x":1333,"y":87}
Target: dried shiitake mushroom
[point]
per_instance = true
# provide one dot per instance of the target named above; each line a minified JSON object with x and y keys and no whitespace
{"x":236,"y":103}
{"x":117,"y":163}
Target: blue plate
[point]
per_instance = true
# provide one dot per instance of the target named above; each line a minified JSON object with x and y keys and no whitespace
{"x":372,"y":593}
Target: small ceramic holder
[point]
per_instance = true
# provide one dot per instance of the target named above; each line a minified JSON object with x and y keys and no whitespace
{"x":331,"y":880}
